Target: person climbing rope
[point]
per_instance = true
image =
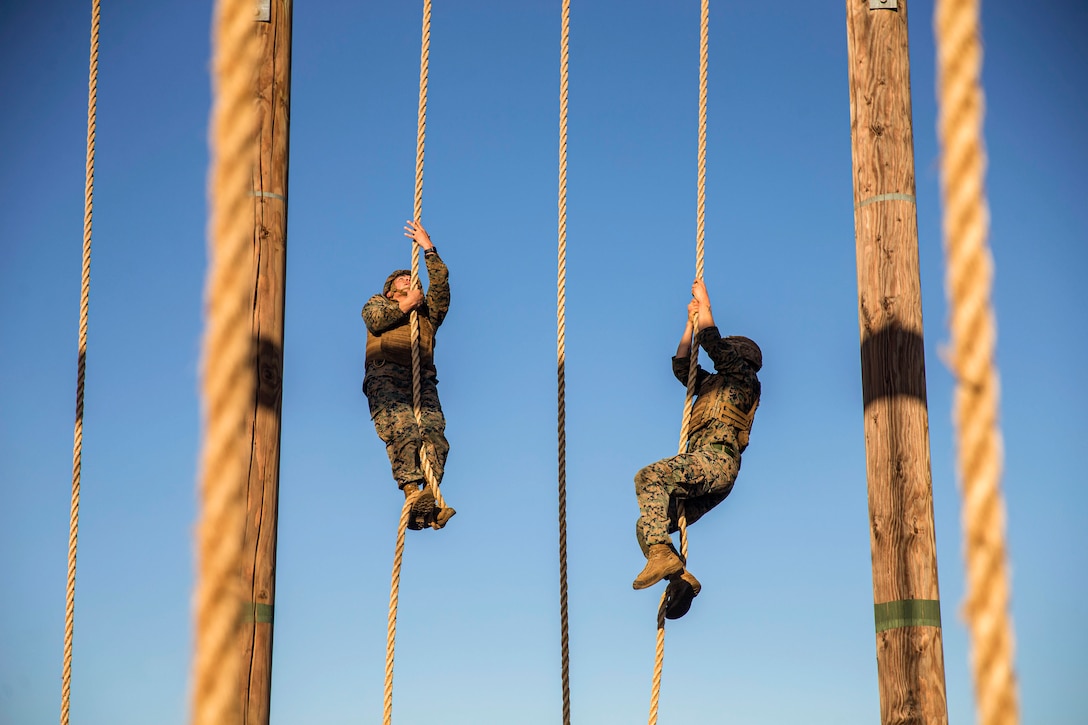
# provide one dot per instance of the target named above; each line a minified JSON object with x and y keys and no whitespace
{"x":701,"y":478}
{"x":388,"y":380}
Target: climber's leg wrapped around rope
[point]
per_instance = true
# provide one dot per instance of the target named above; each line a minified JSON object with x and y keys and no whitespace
{"x":390,"y":400}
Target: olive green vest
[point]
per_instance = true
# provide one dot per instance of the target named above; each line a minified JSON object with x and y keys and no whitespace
{"x":713,"y":404}
{"x":395,"y":345}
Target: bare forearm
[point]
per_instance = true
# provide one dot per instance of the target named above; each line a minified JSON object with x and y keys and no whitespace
{"x":706,"y":318}
{"x":684,"y":348}
{"x":700,"y":307}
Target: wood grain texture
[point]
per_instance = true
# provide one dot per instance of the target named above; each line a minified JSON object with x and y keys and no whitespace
{"x":273,"y":102}
{"x":910,"y":660}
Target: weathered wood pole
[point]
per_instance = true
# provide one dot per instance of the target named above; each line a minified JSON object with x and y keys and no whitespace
{"x":909,"y":649}
{"x":273,"y":101}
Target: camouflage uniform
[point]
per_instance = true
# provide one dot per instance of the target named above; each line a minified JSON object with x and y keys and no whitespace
{"x":388,"y":380}
{"x":703,"y":476}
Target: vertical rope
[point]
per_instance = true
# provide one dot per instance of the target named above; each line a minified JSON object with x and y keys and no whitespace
{"x":227,"y":370}
{"x":428,"y":471}
{"x":561,"y":355}
{"x":700,"y":239}
{"x":391,"y":629}
{"x":693,"y":360}
{"x":969,"y":282}
{"x":421,"y":135}
{"x":700,"y":214}
{"x":659,"y":660}
{"x":84,"y":308}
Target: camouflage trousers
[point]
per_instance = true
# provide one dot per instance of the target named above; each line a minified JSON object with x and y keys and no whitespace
{"x":391,"y":409}
{"x":701,"y":479}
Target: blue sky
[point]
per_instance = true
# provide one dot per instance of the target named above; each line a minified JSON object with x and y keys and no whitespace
{"x":783,"y":631}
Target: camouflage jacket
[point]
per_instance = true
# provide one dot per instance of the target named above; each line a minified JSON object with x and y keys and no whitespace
{"x":384,"y":318}
{"x":734,"y":378}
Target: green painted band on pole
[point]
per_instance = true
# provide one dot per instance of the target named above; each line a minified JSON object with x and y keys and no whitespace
{"x":258,"y":612}
{"x":884,"y":197}
{"x":268,"y":195}
{"x":907,"y":613}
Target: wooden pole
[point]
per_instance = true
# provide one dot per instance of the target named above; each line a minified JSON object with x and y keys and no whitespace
{"x":910,"y":657}
{"x":273,"y":101}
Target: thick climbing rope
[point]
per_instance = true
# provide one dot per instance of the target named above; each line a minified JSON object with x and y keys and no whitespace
{"x":84,"y":307}
{"x":227,"y":370}
{"x":693,"y":364}
{"x":561,"y":356}
{"x":394,"y":598}
{"x":424,"y":457}
{"x":969,"y":282}
{"x":421,"y":134}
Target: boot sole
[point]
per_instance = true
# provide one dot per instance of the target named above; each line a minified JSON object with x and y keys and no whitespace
{"x":442,"y":518}
{"x":422,"y":510}
{"x":679,"y":595}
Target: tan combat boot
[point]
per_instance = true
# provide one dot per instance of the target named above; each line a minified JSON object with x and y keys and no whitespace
{"x":662,"y":561}
{"x":683,"y":588}
{"x":442,"y":517}
{"x":420,"y":506}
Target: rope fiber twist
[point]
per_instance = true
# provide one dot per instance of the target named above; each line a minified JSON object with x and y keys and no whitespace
{"x":391,"y":627}
{"x":421,"y":134}
{"x":969,"y":281}
{"x":424,"y":455}
{"x":693,"y":359}
{"x":81,"y":374}
{"x":226,"y":370}
{"x":561,"y":356}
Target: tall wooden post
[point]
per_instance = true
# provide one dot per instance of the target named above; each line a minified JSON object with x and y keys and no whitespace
{"x":909,"y":649}
{"x":273,"y":100}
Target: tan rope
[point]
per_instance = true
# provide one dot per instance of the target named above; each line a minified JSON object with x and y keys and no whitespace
{"x":84,"y":308}
{"x":391,"y":631}
{"x":659,"y":659}
{"x":693,"y":360}
{"x":969,"y":283}
{"x":561,"y":356}
{"x":424,"y":458}
{"x":421,"y":134}
{"x":227,"y":370}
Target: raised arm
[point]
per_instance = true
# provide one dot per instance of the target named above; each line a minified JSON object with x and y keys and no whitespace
{"x":702,"y":302}
{"x":684,"y":348}
{"x":438,"y":275}
{"x":438,"y":289}
{"x":415,"y":231}
{"x":682,"y":361}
